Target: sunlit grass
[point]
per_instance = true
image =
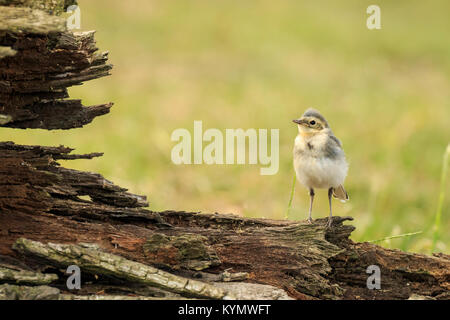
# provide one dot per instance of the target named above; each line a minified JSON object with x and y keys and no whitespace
{"x":437,"y":221}
{"x":291,"y":196}
{"x":260,"y":64}
{"x":396,"y":236}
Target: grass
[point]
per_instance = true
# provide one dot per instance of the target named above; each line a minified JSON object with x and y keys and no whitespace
{"x":397,"y":236}
{"x":260,"y":64}
{"x":291,"y":196}
{"x":437,"y":221}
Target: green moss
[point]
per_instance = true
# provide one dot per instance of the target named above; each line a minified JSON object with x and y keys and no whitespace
{"x":422,"y":272}
{"x":191,"y":246}
{"x":19,"y":20}
{"x":192,"y":252}
{"x":234,"y":69}
{"x":156,"y":242}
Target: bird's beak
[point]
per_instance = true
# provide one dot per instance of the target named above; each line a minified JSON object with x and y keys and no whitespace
{"x":298,"y":121}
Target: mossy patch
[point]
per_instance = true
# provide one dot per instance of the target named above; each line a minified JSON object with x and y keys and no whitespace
{"x":187,"y":251}
{"x":55,"y":7}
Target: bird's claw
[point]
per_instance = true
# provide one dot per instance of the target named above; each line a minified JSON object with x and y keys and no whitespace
{"x":329,"y":222}
{"x":310,"y":221}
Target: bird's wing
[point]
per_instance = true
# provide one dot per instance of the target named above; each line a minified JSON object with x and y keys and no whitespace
{"x":338,"y":142}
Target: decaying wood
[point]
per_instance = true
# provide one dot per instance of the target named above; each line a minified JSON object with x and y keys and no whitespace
{"x":93,"y":260}
{"x":26,"y":20}
{"x":6,"y":51}
{"x":14,"y":275}
{"x":13,"y":292}
{"x":39,"y":60}
{"x":54,"y":7}
{"x":32,"y":181}
{"x":42,"y":292}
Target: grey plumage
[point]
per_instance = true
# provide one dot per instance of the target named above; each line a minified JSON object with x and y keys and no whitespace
{"x":314,"y":113}
{"x":338,"y":142}
{"x":332,"y":148}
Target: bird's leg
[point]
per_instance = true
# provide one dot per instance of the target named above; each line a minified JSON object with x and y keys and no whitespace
{"x":330,"y":218}
{"x":311,"y":194}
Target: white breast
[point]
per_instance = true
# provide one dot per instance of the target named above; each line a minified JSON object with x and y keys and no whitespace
{"x":313,"y":169}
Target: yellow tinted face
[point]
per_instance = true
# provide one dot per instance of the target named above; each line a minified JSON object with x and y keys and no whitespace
{"x":312,"y":123}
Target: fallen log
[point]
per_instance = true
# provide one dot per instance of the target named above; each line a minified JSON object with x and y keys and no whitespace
{"x":42,"y":201}
{"x":39,"y":60}
{"x":10,"y":274}
{"x":54,"y":7}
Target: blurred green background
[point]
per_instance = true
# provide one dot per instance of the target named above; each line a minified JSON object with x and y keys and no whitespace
{"x":260,"y":64}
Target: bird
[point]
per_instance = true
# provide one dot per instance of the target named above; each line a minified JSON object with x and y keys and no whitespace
{"x":319,"y":159}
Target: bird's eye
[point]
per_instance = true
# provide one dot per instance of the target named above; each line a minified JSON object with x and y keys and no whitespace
{"x":312,"y":122}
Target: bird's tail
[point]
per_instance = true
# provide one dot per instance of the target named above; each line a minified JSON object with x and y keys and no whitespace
{"x":340,"y":193}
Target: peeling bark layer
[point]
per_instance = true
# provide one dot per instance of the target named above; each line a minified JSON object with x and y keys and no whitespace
{"x":39,"y":60}
{"x":93,"y":260}
{"x":26,"y":20}
{"x":54,"y":7}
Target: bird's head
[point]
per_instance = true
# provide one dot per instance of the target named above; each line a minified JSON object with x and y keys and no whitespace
{"x":311,"y":122}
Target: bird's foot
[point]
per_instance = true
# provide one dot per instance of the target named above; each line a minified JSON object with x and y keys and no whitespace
{"x":329,"y":222}
{"x":310,"y":220}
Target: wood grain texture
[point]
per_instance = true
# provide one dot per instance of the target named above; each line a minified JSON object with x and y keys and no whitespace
{"x":39,"y":60}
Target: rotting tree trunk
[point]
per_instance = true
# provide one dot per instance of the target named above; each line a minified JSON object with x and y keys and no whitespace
{"x":52,"y":217}
{"x":39,"y":60}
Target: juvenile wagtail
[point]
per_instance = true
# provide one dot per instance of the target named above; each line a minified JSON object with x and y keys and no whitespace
{"x":319,"y":160}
